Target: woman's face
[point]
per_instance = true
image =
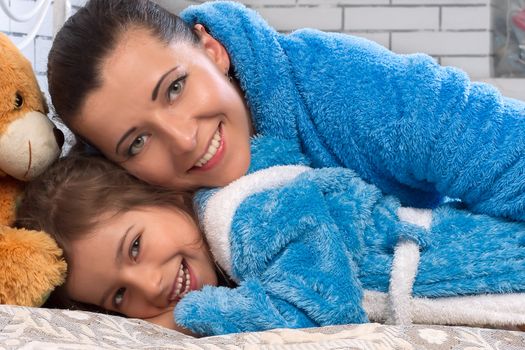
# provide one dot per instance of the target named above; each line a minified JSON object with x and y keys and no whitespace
{"x":168,"y":113}
{"x":139,"y":263}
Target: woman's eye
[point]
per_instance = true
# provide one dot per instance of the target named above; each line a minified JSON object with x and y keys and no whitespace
{"x":175,"y":88}
{"x":137,"y":145}
{"x":135,"y":249}
{"x":119,"y":297}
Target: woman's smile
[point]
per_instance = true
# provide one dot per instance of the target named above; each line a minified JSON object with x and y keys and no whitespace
{"x":214,"y":152}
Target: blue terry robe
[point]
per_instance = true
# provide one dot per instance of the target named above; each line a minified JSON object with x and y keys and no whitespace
{"x":415,"y":129}
{"x":314,"y":247}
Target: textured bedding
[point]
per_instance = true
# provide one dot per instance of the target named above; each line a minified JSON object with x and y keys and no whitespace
{"x":31,"y":328}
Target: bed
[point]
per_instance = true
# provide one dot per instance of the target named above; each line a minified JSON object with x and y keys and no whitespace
{"x":40,"y":328}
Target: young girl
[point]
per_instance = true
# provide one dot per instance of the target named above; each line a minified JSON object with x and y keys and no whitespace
{"x":175,"y":104}
{"x":130,"y":247}
{"x":308,"y":247}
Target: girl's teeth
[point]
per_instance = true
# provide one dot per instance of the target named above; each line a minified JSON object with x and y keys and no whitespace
{"x":179,"y":280}
{"x":187,"y":285}
{"x":179,"y":291}
{"x":212,"y":149}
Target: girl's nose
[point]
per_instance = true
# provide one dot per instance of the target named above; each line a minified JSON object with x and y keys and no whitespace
{"x":147,"y":281}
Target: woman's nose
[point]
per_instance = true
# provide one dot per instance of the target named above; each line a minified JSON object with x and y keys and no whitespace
{"x":181,"y":133}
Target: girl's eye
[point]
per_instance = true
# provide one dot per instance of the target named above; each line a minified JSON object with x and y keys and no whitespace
{"x":176,"y":88}
{"x":135,"y":249}
{"x":119,"y":297}
{"x":137,"y":145}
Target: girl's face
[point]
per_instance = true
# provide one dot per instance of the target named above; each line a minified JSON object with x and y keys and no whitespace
{"x":139,"y":263}
{"x":168,"y":113}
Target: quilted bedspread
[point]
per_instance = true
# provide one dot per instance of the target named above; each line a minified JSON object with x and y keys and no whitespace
{"x":32,"y":328}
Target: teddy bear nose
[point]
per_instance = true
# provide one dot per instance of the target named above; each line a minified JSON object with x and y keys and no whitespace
{"x":59,"y":136}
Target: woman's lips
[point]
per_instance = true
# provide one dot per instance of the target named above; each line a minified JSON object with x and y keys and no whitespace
{"x":217,"y":156}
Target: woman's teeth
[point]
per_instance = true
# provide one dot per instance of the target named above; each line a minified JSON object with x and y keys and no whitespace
{"x":212,"y":149}
{"x":183,"y":282}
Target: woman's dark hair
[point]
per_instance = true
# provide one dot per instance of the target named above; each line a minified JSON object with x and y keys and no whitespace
{"x":89,"y":36}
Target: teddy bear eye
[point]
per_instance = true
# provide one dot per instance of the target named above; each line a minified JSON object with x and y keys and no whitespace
{"x":19,"y":101}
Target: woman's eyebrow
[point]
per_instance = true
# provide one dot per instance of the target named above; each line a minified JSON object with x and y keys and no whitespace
{"x":123,"y":138}
{"x":157,"y":86}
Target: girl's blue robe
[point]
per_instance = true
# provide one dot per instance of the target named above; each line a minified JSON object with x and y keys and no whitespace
{"x":305,"y":244}
{"x":413,"y":128}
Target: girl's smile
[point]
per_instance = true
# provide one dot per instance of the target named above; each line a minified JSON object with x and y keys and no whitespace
{"x":183,"y":283}
{"x":168,"y":113}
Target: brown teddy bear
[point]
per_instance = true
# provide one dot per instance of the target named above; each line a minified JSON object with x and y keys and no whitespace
{"x":31,"y":263}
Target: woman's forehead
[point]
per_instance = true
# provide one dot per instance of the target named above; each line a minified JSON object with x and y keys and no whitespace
{"x":132,"y":46}
{"x":127,"y":79}
{"x":143,"y":44}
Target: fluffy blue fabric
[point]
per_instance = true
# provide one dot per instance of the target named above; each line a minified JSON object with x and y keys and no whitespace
{"x":304,"y":250}
{"x":415,"y":129}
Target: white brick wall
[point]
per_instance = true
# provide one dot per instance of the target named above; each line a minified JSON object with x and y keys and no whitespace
{"x":383,"y":18}
{"x":465,"y":18}
{"x":455,"y":32}
{"x":290,"y":18}
{"x":36,"y":51}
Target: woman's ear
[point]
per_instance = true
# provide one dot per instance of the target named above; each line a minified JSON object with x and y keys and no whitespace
{"x":213,"y":48}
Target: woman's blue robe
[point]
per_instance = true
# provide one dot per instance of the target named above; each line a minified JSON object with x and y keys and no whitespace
{"x":415,"y":129}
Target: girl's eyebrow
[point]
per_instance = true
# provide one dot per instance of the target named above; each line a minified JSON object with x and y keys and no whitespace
{"x":118,"y":259}
{"x":105,"y":295}
{"x":156,"y":89}
{"x":120,"y":247}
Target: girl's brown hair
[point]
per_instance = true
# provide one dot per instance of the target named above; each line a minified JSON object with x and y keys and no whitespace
{"x":68,"y":200}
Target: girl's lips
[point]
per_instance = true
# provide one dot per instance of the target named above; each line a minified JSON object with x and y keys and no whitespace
{"x":193,"y":279}
{"x":217,"y":157}
{"x":189,"y":283}
{"x":180,"y":288}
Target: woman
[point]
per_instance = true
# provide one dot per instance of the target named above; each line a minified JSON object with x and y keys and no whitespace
{"x":176,"y":105}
